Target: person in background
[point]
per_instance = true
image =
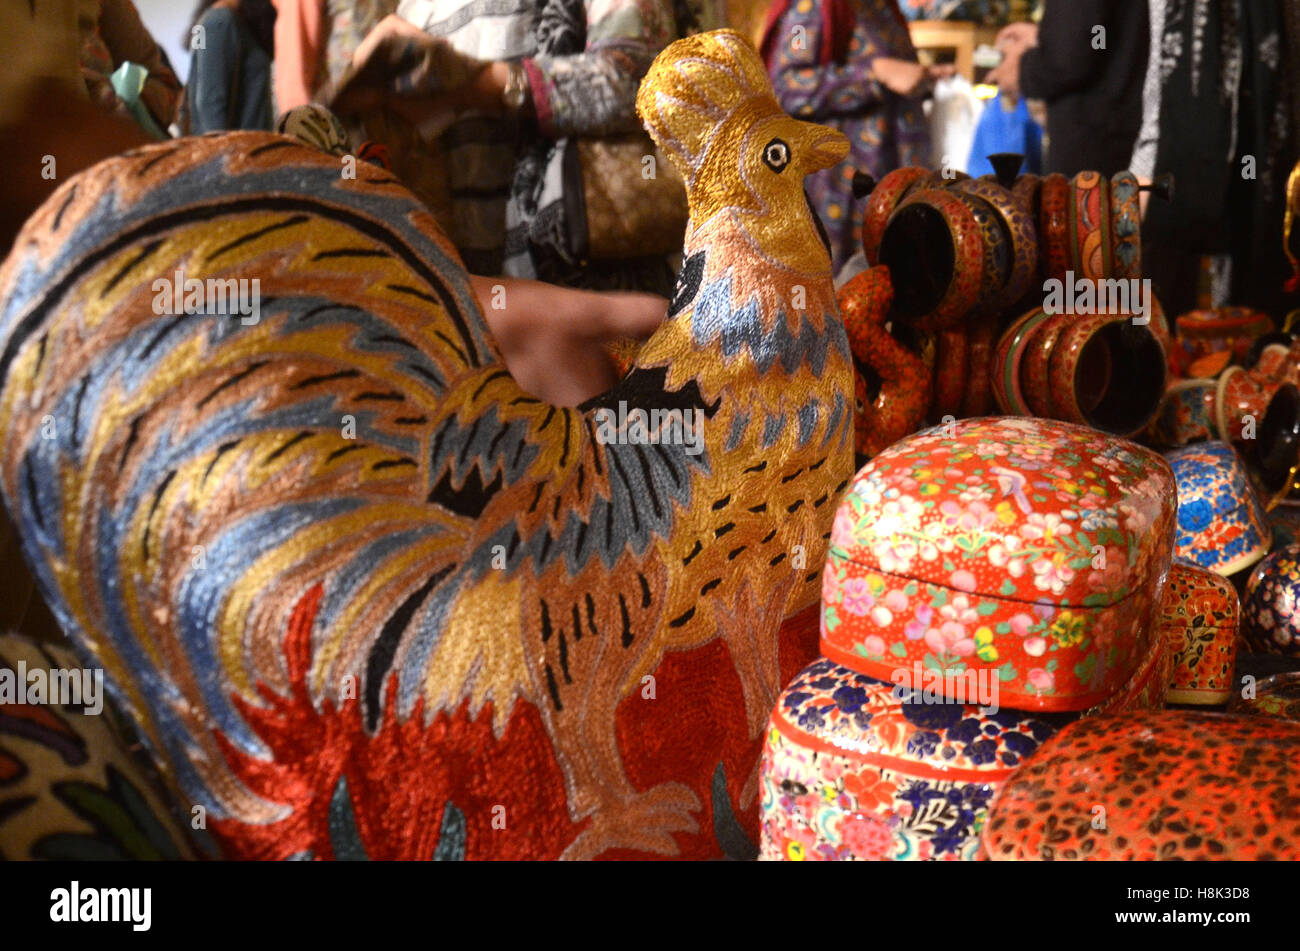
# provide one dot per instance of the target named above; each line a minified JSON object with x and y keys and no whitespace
{"x":517,"y":93}
{"x":315,"y":41}
{"x":850,"y":64}
{"x":1219,"y":113}
{"x":1087,"y":60}
{"x":112,"y":34}
{"x":232,"y":43}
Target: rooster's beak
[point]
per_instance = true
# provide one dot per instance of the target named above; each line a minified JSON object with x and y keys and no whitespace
{"x":825,"y":148}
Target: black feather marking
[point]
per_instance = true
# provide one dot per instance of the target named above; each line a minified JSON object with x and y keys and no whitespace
{"x":131,"y":437}
{"x":648,"y":475}
{"x":568,"y":432}
{"x":577,"y":623}
{"x":769,"y":537}
{"x":682,"y":619}
{"x":547,"y":630}
{"x":758,"y":468}
{"x":157,"y":499}
{"x":426,"y":374}
{"x":352,"y":253}
{"x":591,"y":614}
{"x":627,"y":621}
{"x":794,"y":506}
{"x":494,"y":375}
{"x":464,"y":357}
{"x":564,"y":658}
{"x":394,"y":464}
{"x":731,"y":555}
{"x":537,"y":497}
{"x":777,"y":560}
{"x":130,"y":265}
{"x":722,"y":503}
{"x":254,"y":235}
{"x":337,"y":453}
{"x":554,"y":688}
{"x":385,"y":647}
{"x":233,"y":381}
{"x":694,"y":551}
{"x":373,"y":397}
{"x":76,"y":410}
{"x":632,"y":508}
{"x":821,"y":500}
{"x":723,"y":529}
{"x":759,"y":509}
{"x":72,"y":195}
{"x":709,"y":586}
{"x":411,"y":420}
{"x":792,"y":476}
{"x":324,"y":378}
{"x":224,"y":448}
{"x":284,"y":447}
{"x":595,"y":447}
{"x":645,"y":590}
{"x":157,"y":338}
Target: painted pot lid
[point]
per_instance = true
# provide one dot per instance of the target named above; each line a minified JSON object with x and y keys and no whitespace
{"x":906,"y":728}
{"x":1165,"y":785}
{"x":1012,"y":508}
{"x":1220,"y":523}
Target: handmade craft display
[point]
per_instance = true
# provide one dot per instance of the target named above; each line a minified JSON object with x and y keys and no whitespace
{"x":1221,"y":525}
{"x":858,"y":768}
{"x":1153,"y":786}
{"x":1200,"y":616}
{"x":360,"y":594}
{"x":1271,"y":604}
{"x":1030,"y":548}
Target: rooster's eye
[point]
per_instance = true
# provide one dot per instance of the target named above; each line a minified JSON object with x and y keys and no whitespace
{"x":776,"y":155}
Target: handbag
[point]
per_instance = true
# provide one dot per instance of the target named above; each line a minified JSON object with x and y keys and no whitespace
{"x":633,"y":197}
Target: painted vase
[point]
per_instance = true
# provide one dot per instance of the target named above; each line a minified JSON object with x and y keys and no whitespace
{"x":857,"y":768}
{"x":1172,"y":784}
{"x":1221,"y":525}
{"x":1276,"y":696}
{"x":1033,"y":548}
{"x":1199,"y":619}
{"x":1185,"y":415}
{"x":1271,"y":604}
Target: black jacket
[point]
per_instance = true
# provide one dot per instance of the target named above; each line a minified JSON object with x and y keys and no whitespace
{"x":1093,"y":95}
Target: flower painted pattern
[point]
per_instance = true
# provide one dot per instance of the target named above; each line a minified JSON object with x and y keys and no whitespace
{"x":1221,"y":525}
{"x":856,"y":768}
{"x":1199,"y":618}
{"x":1271,"y":607}
{"x":1031,"y":547}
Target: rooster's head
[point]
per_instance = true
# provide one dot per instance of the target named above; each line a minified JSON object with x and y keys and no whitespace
{"x":709,"y":106}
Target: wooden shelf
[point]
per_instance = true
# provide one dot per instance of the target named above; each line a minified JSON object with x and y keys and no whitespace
{"x":956,"y":37}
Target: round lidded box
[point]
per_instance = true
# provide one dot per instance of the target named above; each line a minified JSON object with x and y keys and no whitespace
{"x":855,"y":768}
{"x":1031,"y":547}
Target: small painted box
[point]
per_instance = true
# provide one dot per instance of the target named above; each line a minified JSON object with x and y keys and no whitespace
{"x":1175,"y":784}
{"x":1034,"y":548}
{"x":1199,"y":618}
{"x":855,"y":768}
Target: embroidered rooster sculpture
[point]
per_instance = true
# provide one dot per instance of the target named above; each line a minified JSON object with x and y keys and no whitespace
{"x":361,"y":594}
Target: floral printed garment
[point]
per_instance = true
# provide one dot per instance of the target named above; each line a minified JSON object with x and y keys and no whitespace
{"x":885,"y":131}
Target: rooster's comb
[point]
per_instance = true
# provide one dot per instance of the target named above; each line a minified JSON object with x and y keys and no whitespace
{"x":692,"y":89}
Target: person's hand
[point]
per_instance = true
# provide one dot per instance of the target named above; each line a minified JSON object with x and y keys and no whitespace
{"x":1017,"y":36}
{"x":907,"y":78}
{"x":1006,"y":75}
